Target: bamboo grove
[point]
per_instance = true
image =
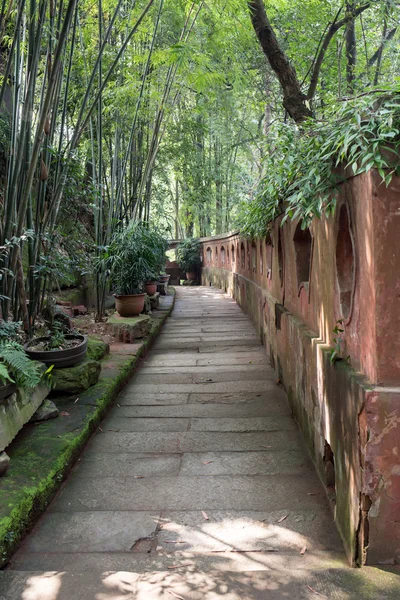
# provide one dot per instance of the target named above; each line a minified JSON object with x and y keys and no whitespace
{"x":113,"y":111}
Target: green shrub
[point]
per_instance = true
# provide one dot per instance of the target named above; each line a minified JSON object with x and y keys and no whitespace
{"x":188,"y":254}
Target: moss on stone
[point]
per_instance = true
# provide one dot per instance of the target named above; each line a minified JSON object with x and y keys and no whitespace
{"x":42,"y":454}
{"x":97,"y":349}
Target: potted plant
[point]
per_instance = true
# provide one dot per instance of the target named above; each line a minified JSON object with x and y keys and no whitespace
{"x":156,"y":245}
{"x":58,"y":348}
{"x":130,"y":263}
{"x":16,"y":369}
{"x":188,"y":257}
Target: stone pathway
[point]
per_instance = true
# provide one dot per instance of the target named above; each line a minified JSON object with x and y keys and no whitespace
{"x":197,"y":487}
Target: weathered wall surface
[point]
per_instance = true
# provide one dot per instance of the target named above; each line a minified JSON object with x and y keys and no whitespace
{"x":298,"y":286}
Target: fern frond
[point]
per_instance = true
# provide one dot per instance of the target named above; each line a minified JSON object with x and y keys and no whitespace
{"x":4,"y":375}
{"x":27,"y":373}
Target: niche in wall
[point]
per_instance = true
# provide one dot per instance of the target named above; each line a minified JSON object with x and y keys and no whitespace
{"x":253,"y":257}
{"x":209,"y":255}
{"x":268,"y":257}
{"x":261,"y":259}
{"x":233,"y":254}
{"x":222,"y":255}
{"x":248,"y":256}
{"x":216,"y":256}
{"x":280,"y":258}
{"x":227,"y":256}
{"x":345,"y":266}
{"x":242,"y":256}
{"x":302,"y":245}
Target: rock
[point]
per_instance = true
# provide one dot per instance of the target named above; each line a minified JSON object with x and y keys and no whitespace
{"x":47,"y":410}
{"x":79,"y":310}
{"x":147,"y":306}
{"x":97,"y":349}
{"x":155,"y":301}
{"x":17,"y":409}
{"x":74,"y":380}
{"x":190,"y":282}
{"x":128,"y":329}
{"x":4,"y":463}
{"x":64,"y":303}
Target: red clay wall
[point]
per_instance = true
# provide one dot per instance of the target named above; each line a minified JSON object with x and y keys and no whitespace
{"x":297,"y":285}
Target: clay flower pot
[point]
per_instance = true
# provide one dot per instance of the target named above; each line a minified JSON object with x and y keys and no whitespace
{"x":191,"y":276}
{"x":150,"y":288}
{"x":65,"y":357}
{"x":130,"y":306}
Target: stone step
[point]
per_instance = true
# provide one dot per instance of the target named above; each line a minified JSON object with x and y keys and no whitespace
{"x":258,"y":493}
{"x":188,"y":583}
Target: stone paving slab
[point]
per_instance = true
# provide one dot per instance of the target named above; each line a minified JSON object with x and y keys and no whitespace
{"x":332,"y":584}
{"x":129,"y":464}
{"x":109,"y":531}
{"x":268,"y":462}
{"x":191,"y":493}
{"x":192,"y":441}
{"x":207,"y":388}
{"x":273,"y":399}
{"x":202,"y":376}
{"x":117,"y":424}
{"x":245,"y":424}
{"x":134,"y":562}
{"x":132,"y":398}
{"x":244,"y":531}
{"x":209,"y":369}
{"x":254,"y":408}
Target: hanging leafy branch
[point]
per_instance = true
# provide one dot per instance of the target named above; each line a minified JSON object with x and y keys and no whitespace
{"x":306,"y":166}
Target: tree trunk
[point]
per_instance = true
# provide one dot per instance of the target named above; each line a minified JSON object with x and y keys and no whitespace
{"x":294,"y":100}
{"x":351,"y":47}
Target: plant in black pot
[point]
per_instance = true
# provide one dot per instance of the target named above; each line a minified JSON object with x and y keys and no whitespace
{"x":129,"y":261}
{"x":188,"y":257}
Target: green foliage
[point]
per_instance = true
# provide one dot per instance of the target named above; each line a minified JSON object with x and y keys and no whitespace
{"x":188,"y":254}
{"x":134,"y":257}
{"x":336,"y":353}
{"x":11,"y":330}
{"x":306,"y":166}
{"x":16,"y":366}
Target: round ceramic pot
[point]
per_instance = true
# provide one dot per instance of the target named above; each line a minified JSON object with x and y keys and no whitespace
{"x":59,"y":358}
{"x":164,"y":278}
{"x":191,"y":276}
{"x":7,"y":390}
{"x":150,"y":288}
{"x":130,"y":306}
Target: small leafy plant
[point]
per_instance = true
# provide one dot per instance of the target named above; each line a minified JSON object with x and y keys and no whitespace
{"x":16,"y":366}
{"x":335,"y":353}
{"x":188,"y":254}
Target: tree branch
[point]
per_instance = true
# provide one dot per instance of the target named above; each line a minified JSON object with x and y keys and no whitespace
{"x":335,"y":26}
{"x":293,"y":98}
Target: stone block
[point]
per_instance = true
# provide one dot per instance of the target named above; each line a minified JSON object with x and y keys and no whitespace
{"x":79,"y":310}
{"x":162,"y":288}
{"x":128,"y":329}
{"x":4,"y":463}
{"x":79,"y":378}
{"x":155,"y":301}
{"x":17,"y":409}
{"x":47,"y":410}
{"x":97,"y":349}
